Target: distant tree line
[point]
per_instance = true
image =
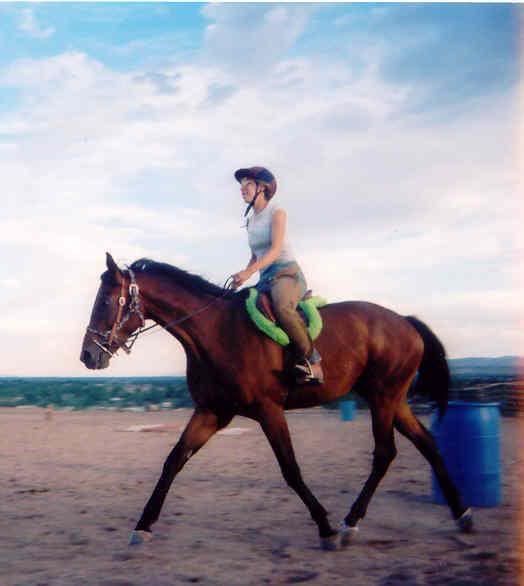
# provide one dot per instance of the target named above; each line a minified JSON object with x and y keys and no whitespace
{"x":170,"y":392}
{"x":84,"y":393}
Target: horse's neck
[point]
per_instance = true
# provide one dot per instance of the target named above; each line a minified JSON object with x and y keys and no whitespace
{"x":188,"y":316}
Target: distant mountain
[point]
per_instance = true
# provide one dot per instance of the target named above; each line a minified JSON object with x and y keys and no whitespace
{"x":487,"y":366}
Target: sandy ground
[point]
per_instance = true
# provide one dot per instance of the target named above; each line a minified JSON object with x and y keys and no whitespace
{"x":72,"y":488}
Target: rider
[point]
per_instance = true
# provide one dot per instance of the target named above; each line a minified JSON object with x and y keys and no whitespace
{"x":280,"y":274}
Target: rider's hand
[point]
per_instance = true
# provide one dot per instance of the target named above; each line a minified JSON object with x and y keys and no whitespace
{"x":240,"y":278}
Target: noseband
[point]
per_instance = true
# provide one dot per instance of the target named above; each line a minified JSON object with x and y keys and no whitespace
{"x":135,"y":306}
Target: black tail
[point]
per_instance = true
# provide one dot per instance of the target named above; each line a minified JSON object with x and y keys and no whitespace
{"x":433,"y":373}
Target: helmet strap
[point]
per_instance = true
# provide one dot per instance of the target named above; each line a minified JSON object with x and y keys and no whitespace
{"x":251,"y":203}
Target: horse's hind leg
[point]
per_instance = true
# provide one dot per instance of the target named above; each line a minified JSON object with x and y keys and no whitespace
{"x":408,"y":425}
{"x":383,"y":455}
{"x":201,"y":427}
{"x":273,"y":422}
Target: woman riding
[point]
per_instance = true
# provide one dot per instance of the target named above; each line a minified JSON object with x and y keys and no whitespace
{"x":280,"y":274}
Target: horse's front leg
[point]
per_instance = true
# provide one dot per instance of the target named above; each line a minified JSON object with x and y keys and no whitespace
{"x":273,"y":422}
{"x":201,"y":427}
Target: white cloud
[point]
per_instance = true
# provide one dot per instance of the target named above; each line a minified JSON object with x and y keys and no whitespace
{"x":249,"y":38}
{"x":10,"y":283}
{"x":383,"y":205}
{"x":28,"y":23}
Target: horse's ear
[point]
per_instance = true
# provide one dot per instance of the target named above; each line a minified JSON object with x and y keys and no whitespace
{"x":112,"y":267}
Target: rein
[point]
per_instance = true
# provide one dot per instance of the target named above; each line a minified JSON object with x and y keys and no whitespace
{"x":135,"y":307}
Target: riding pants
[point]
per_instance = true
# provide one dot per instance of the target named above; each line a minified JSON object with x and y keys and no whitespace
{"x":286,"y":284}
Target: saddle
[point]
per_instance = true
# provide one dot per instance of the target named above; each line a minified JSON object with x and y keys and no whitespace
{"x":260,"y":310}
{"x":265,"y":305}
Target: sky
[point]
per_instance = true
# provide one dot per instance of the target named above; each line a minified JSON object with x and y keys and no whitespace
{"x":393,"y":131}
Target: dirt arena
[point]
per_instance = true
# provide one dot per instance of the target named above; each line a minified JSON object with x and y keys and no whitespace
{"x":72,"y":486}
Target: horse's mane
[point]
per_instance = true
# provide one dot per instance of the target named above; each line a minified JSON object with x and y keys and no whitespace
{"x":193,"y":283}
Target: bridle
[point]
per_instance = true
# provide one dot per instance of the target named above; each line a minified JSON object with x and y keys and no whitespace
{"x":135,"y":306}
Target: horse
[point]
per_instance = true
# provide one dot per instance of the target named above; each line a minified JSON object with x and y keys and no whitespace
{"x":232,"y":369}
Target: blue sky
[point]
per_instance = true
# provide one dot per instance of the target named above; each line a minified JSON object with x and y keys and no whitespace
{"x":392,"y":129}
{"x":450,"y":39}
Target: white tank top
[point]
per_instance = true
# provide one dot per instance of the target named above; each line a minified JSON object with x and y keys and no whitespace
{"x":259,"y":235}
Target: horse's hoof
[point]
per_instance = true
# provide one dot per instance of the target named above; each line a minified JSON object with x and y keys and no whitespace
{"x":329,"y":543}
{"x":140,"y":537}
{"x":347,"y":534}
{"x":465,"y":521}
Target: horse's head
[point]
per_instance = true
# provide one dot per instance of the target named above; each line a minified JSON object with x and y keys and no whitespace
{"x":115,"y":316}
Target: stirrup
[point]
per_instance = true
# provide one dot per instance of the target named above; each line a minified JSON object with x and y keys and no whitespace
{"x":305,"y":374}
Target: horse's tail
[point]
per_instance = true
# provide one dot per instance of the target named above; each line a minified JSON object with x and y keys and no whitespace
{"x":433,"y":373}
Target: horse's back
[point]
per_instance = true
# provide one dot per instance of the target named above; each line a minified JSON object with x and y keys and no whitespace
{"x":371,"y":314}
{"x":359,"y":307}
{"x":382,"y":341}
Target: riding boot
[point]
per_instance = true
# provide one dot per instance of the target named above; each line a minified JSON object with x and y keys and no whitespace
{"x":309,"y":370}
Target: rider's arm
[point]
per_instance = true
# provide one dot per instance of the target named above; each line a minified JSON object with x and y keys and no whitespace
{"x":252,"y":260}
{"x":278,"y":230}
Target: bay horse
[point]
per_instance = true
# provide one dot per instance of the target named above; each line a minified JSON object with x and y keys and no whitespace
{"x":233,"y":369}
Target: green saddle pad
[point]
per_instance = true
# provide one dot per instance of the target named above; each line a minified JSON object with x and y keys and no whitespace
{"x":308,"y":306}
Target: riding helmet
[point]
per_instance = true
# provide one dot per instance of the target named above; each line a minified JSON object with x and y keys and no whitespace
{"x":260,"y":175}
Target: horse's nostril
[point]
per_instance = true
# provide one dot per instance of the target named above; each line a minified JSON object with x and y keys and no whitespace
{"x":85,"y":357}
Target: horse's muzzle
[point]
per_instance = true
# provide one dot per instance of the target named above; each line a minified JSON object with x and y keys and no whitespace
{"x":94,"y":359}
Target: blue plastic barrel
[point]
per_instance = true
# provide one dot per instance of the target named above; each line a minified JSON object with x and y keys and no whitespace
{"x":468,"y":438}
{"x":347,"y":410}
